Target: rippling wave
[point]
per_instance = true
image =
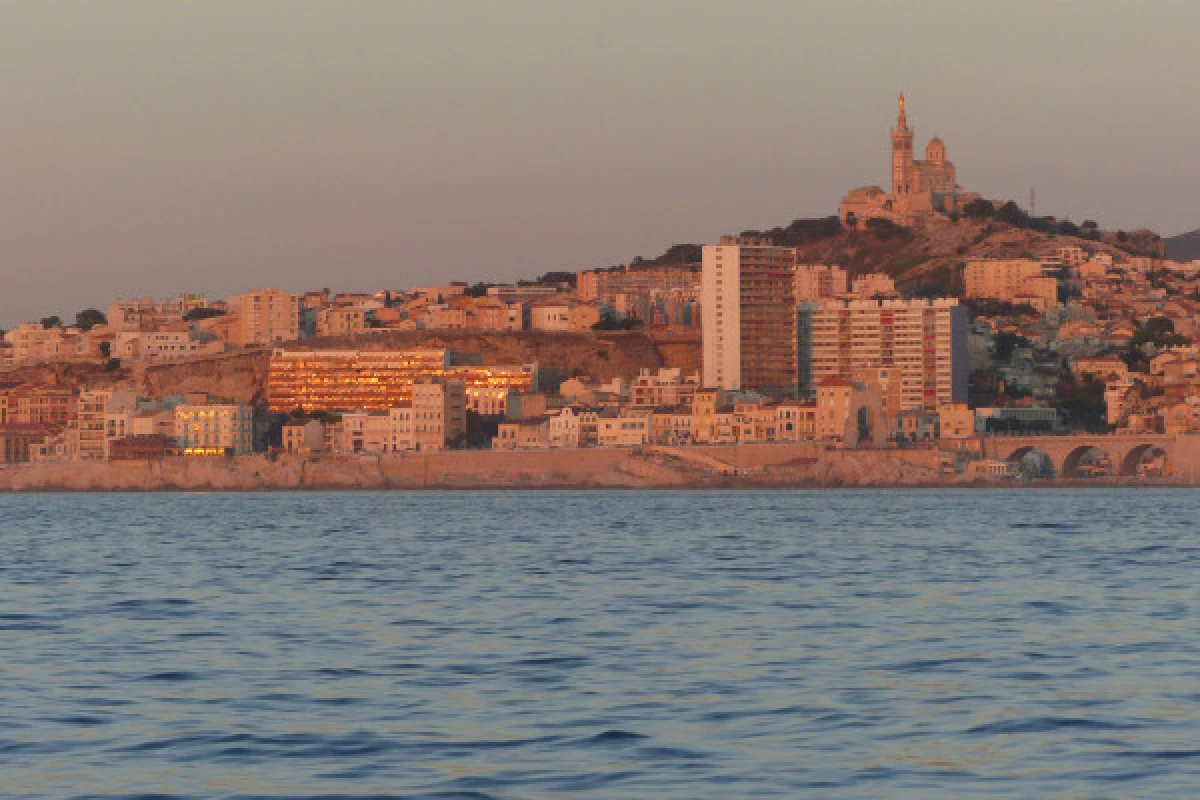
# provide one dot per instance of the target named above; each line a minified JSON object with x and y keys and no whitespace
{"x":688,"y":645}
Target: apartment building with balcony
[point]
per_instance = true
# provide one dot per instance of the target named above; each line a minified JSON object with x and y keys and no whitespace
{"x":924,"y":341}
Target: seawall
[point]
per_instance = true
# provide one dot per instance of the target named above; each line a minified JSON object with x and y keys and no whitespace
{"x":657,"y":467}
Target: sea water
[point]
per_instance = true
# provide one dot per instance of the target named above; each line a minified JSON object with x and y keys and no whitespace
{"x":900,"y":644}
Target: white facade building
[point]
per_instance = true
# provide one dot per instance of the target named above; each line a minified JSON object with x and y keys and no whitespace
{"x":748,"y":308}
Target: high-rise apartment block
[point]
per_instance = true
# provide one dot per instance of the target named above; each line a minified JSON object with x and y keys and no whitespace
{"x":923,"y":340}
{"x":748,"y":307}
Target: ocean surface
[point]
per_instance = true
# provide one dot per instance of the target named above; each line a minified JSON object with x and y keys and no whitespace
{"x":830,"y":644}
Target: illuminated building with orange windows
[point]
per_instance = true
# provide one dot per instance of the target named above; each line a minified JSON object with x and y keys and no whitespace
{"x":376,"y":380}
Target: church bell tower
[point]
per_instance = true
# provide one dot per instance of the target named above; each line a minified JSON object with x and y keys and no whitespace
{"x":902,"y":153}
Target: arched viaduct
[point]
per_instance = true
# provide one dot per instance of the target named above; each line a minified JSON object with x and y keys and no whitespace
{"x":1126,"y":451}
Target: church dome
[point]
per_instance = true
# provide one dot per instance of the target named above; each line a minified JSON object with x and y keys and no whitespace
{"x":936,"y":151}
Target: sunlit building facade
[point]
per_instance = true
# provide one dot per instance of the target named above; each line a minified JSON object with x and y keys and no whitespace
{"x":266,"y":316}
{"x":1014,"y":280}
{"x":210,"y":430}
{"x":924,"y":341}
{"x":375,"y":380}
{"x":46,"y":406}
{"x":748,"y":305}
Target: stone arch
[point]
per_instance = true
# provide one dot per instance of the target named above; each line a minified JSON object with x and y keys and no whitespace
{"x":1100,"y":464}
{"x":1137,"y":454}
{"x":1021,"y":454}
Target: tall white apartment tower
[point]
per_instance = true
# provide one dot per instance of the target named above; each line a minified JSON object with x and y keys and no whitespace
{"x":748,"y":308}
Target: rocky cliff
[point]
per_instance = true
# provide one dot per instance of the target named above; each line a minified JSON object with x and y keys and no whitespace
{"x":238,"y":377}
{"x":70,"y":375}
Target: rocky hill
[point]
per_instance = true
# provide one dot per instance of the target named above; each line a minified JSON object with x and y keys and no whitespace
{"x":237,"y":377}
{"x":928,"y":260}
{"x":1184,"y":247}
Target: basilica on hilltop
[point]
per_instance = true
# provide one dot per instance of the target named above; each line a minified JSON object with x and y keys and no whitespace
{"x":920,"y":189}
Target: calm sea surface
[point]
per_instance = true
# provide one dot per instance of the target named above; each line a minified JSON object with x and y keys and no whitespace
{"x":1040,"y":644}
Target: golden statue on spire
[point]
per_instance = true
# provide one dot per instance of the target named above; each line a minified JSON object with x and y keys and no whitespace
{"x":902,"y":102}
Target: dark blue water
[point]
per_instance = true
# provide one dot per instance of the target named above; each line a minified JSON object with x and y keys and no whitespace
{"x":609,"y":644}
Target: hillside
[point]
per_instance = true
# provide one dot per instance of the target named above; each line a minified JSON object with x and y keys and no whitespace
{"x":927,"y":260}
{"x":1184,"y":247}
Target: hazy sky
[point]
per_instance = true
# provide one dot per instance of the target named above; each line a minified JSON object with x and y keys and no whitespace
{"x":152,"y":147}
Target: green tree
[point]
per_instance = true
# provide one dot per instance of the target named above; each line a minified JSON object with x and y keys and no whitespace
{"x":1084,"y":404}
{"x":979,"y":209}
{"x":883,"y":229}
{"x":51,"y":322}
{"x":197,"y":314}
{"x":551,"y":278}
{"x":1011,"y":213}
{"x":1158,"y":332}
{"x":680,"y":254}
{"x":1005,"y":343}
{"x":89,"y":318}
